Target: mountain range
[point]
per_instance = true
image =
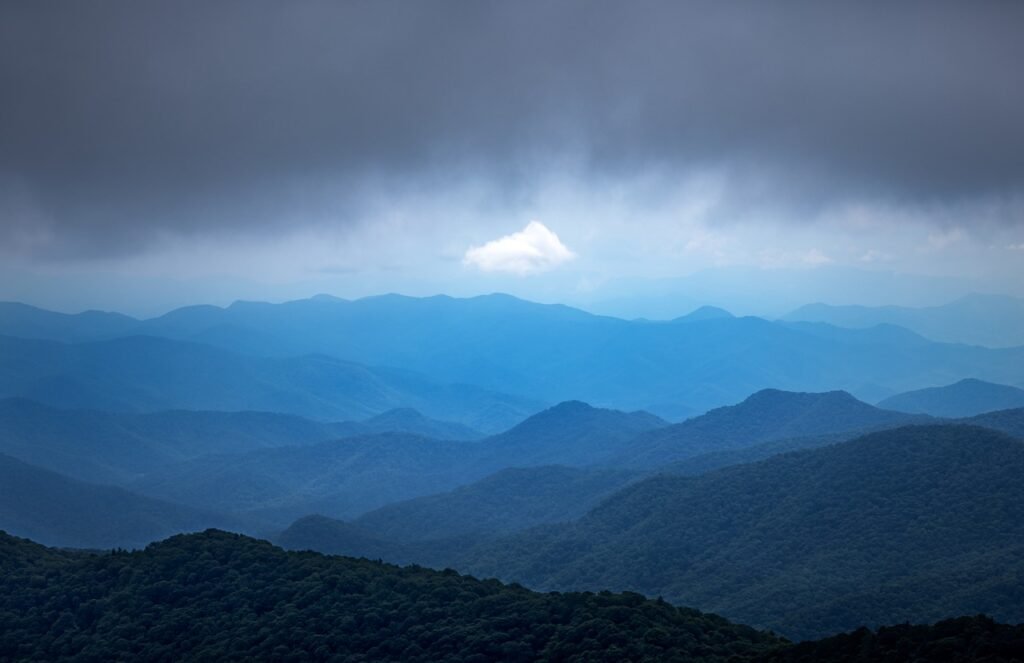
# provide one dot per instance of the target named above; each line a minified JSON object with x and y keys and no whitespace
{"x":146,"y":374}
{"x":555,"y":353}
{"x":989,"y":320}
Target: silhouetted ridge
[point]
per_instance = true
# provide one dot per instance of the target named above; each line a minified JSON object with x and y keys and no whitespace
{"x":961,"y":399}
{"x":705,"y":313}
{"x":769,"y":414}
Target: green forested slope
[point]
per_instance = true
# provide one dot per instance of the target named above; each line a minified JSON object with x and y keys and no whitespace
{"x":219,"y":596}
{"x":918,"y":523}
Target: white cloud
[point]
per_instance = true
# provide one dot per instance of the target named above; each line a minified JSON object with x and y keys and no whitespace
{"x":531,"y":250}
{"x":874,"y":255}
{"x":816,"y":257}
{"x":1016,"y":247}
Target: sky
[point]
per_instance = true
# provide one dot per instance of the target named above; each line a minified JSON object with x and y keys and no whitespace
{"x":602,"y":154}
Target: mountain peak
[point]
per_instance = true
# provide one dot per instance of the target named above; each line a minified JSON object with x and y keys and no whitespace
{"x":705,"y":313}
{"x":965,"y":398}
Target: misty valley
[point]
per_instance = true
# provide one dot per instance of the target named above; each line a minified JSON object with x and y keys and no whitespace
{"x":397,"y":478}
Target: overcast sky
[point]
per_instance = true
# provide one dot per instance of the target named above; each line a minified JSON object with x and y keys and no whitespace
{"x":153,"y":154}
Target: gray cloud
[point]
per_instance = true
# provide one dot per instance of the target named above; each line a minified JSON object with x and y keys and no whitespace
{"x":124,"y":120}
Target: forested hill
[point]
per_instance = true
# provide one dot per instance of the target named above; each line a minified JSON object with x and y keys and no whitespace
{"x":219,"y":596}
{"x":917,"y":523}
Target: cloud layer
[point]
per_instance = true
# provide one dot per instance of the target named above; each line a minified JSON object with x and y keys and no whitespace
{"x":532,"y":250}
{"x":126,"y":122}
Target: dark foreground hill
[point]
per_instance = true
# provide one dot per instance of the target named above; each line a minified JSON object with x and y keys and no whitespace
{"x":218,"y":596}
{"x":61,"y":511}
{"x":962,"y":399}
{"x":917,"y":523}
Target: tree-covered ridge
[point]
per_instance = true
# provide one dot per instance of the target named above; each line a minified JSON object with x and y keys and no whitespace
{"x":220,"y":596}
{"x":959,"y":640}
{"x":918,"y":523}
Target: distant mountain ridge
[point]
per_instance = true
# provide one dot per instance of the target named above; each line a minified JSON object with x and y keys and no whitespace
{"x":145,"y":374}
{"x":965,"y":398}
{"x":112,"y":447}
{"x":989,"y":320}
{"x":769,"y":414}
{"x":555,"y":353}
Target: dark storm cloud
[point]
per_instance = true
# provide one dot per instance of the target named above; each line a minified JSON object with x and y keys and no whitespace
{"x":123,"y":120}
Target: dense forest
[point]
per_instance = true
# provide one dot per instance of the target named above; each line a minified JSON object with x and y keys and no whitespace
{"x":221,"y":596}
{"x":917,"y":523}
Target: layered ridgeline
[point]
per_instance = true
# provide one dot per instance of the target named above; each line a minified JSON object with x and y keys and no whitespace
{"x":963,"y":399}
{"x":60,"y":511}
{"x":767,"y":415}
{"x":226,"y":597}
{"x":916,"y":523}
{"x":345,"y":478}
{"x":555,"y":353}
{"x":989,"y":320}
{"x":434,"y":529}
{"x":109,"y":447}
{"x":140,"y":374}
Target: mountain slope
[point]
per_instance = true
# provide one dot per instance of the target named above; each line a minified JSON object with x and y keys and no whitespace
{"x":146,"y":374}
{"x":346,"y":478}
{"x":962,"y":399}
{"x":1010,"y":422}
{"x":219,"y":596}
{"x":767,"y":415}
{"x":434,"y":527}
{"x":913,"y":524}
{"x":341,"y":478}
{"x":570,"y":433}
{"x":60,"y":511}
{"x":506,"y":501}
{"x":408,"y":420}
{"x":989,"y":320}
